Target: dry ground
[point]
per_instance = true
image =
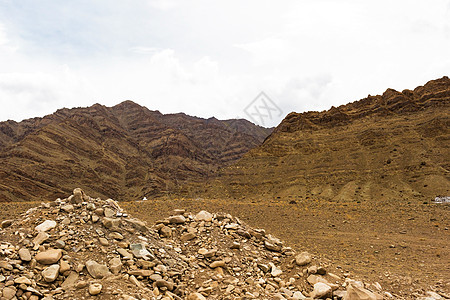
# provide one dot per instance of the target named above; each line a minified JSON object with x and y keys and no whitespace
{"x":405,"y":246}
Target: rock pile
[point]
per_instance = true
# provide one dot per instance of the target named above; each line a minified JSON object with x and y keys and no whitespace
{"x":79,"y":247}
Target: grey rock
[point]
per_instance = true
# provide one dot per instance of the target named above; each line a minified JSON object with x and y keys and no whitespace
{"x":303,"y":259}
{"x":51,"y":273}
{"x":97,"y":270}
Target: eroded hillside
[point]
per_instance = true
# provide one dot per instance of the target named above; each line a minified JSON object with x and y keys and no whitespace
{"x":126,"y":151}
{"x":390,"y":146}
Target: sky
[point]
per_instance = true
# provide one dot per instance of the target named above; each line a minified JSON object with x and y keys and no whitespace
{"x":258,"y":60}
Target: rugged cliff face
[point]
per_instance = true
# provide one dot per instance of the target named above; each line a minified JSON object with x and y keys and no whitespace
{"x":125,"y":151}
{"x":394,"y":146}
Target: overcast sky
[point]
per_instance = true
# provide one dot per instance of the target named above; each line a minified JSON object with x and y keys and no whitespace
{"x":212,"y":58}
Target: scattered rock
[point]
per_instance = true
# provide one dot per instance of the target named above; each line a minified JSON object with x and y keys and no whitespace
{"x":356,"y":292}
{"x":49,"y":257}
{"x":321,"y":290}
{"x":6,"y":223}
{"x":97,"y":270}
{"x":24,"y":254}
{"x":50,"y":273}
{"x":203,"y":216}
{"x":95,"y":289}
{"x":303,"y":259}
{"x":202,"y":256}
{"x":178,"y":219}
{"x":45,"y":226}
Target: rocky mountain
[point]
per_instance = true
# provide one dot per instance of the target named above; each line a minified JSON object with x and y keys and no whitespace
{"x":126,"y":151}
{"x":390,"y":146}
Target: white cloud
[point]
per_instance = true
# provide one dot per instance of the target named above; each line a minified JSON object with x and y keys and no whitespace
{"x":213,"y":58}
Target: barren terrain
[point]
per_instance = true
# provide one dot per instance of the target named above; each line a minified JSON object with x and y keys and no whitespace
{"x":403,"y":245}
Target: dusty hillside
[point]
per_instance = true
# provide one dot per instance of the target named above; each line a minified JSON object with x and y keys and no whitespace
{"x":391,"y":146}
{"x":126,"y":151}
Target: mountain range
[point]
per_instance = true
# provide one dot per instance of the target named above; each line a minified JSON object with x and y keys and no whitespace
{"x":394,"y":145}
{"x":126,"y":151}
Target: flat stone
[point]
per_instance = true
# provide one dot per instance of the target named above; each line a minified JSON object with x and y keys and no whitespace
{"x":303,"y":259}
{"x":203,"y":216}
{"x":9,"y":292}
{"x":5,"y":265}
{"x":138,"y":224}
{"x":103,"y":241}
{"x":116,"y":236}
{"x":188,"y":236}
{"x":67,"y":208}
{"x":70,"y":280}
{"x":179,"y":211}
{"x":125,"y":254}
{"x":24,"y":254}
{"x":97,"y":270}
{"x":45,"y":226}
{"x":49,"y":257}
{"x":355,"y":292}
{"x":51,"y":273}
{"x":155,"y":277}
{"x":22,"y":280}
{"x":275,"y":271}
{"x":60,"y":244}
{"x":272,"y":247}
{"x":322,"y":290}
{"x":218,"y":263}
{"x":179,"y":219}
{"x":39,"y":239}
{"x":210,"y":253}
{"x":95,"y":289}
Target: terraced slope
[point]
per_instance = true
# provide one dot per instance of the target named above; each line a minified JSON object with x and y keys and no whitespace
{"x":390,"y":146}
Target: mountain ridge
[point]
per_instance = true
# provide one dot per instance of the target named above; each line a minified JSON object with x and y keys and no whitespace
{"x":389,"y":145}
{"x":129,"y":149}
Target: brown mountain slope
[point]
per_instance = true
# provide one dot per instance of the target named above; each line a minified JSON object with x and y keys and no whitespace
{"x":391,"y":146}
{"x":125,"y":151}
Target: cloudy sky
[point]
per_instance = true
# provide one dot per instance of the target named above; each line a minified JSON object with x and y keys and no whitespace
{"x":212,"y":58}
